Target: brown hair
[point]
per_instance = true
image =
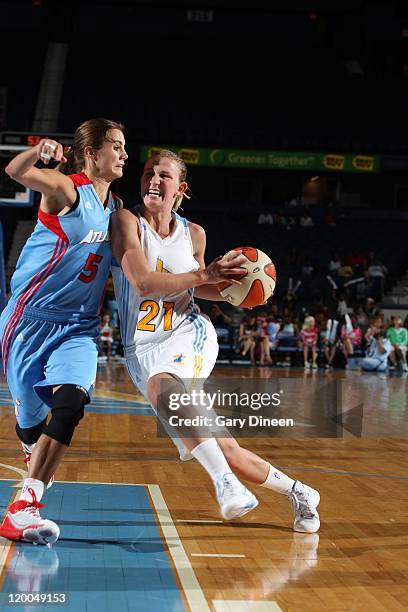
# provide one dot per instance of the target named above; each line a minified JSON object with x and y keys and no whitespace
{"x":182,"y":172}
{"x":90,"y":133}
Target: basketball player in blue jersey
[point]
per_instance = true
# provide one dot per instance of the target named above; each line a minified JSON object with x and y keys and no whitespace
{"x":49,"y":328}
{"x":168,"y":341}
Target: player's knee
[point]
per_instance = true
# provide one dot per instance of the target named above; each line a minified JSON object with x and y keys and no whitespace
{"x":30,"y":435}
{"x":67,"y":410}
{"x":164,"y":391}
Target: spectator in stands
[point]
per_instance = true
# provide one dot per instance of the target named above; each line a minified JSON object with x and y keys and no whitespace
{"x":329,"y":341}
{"x":334,"y":263}
{"x":221,"y":322}
{"x":309,"y":336}
{"x":378,"y":350}
{"x":218,"y":317}
{"x":345,"y":271}
{"x":377,"y":273}
{"x":343,"y":307}
{"x":355,"y":259}
{"x":262,"y":340}
{"x":289,"y":331}
{"x":359,"y":287}
{"x":370,"y":307}
{"x":282,"y":219}
{"x":318,"y":307}
{"x":246,"y":338}
{"x":265,"y":218}
{"x":296,"y":201}
{"x":375,"y":326}
{"x":361,"y":316}
{"x":105,"y":337}
{"x":351,"y":336}
{"x":306,"y":219}
{"x":111,"y":302}
{"x":272,"y":330}
{"x":398,"y":336}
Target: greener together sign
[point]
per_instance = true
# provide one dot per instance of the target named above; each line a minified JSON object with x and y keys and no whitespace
{"x":274,"y":160}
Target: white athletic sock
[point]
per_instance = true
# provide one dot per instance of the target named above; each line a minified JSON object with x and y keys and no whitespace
{"x":36,"y":485}
{"x":211,"y":457}
{"x":278,"y":481}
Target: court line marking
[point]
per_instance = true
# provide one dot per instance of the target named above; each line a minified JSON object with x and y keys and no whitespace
{"x":215,"y":555}
{"x":118,"y":395}
{"x":5,"y":544}
{"x":198,"y":521}
{"x":188,"y":579}
{"x":341,"y":472}
{"x":22,"y":473}
{"x":85,"y":482}
{"x":231,"y":605}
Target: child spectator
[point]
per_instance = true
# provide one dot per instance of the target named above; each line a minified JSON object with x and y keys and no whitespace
{"x":351,"y":336}
{"x":398,"y":336}
{"x":105,"y":338}
{"x":309,"y":336}
{"x":272,"y":329}
{"x":329,"y":341}
{"x":379,"y":348}
{"x":262,"y":340}
{"x":361,"y":317}
{"x":247,"y":330}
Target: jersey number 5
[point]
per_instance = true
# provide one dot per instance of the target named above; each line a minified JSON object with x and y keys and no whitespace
{"x":153,"y":310}
{"x":91,"y":268}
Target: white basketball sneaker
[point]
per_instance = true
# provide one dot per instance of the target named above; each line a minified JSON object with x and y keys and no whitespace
{"x":24,"y":523}
{"x":28,"y":449}
{"x":233,"y":497}
{"x":304,"y":502}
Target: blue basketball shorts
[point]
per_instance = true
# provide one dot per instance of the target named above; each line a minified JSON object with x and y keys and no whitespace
{"x":42,"y":349}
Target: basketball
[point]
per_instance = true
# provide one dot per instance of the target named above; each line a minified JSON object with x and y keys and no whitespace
{"x":256,"y":286}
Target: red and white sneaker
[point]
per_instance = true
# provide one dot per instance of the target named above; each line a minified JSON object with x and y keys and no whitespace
{"x":24,"y":523}
{"x":28,"y":449}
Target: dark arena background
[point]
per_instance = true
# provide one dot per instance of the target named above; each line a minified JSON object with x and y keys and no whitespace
{"x":292,"y":119}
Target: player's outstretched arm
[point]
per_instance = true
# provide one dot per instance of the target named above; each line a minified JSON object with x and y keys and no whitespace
{"x":54,"y":185}
{"x":129,"y":254}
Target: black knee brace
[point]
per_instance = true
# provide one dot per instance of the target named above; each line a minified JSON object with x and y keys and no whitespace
{"x":66,"y":412}
{"x":30,"y":435}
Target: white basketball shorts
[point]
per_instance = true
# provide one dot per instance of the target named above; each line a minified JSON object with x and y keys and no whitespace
{"x":189,"y":353}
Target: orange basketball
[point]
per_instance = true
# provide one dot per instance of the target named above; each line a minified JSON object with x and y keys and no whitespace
{"x":256,"y":286}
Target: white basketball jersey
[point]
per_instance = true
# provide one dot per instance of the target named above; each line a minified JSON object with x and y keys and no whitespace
{"x":151,"y":319}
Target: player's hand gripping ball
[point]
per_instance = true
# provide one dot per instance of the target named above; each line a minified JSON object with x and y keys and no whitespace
{"x":256,"y":286}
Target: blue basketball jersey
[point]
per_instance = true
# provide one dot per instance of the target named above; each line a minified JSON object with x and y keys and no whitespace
{"x":65,"y":263}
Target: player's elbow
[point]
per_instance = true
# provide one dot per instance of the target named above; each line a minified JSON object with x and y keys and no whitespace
{"x":12,"y":172}
{"x":142,"y":286}
{"x":143,"y":289}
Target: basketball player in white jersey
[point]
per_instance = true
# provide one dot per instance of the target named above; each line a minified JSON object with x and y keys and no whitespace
{"x":167,"y":340}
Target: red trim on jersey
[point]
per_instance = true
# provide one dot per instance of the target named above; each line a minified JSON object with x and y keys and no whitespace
{"x":80,"y":179}
{"x":52,"y":222}
{"x":61,"y":247}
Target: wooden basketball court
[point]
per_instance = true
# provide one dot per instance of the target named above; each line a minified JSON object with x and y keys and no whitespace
{"x":140,"y":529}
